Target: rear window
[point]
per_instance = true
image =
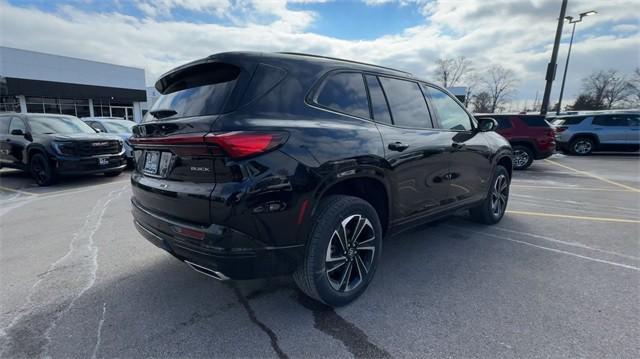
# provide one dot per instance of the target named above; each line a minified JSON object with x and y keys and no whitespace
{"x":503,"y":122}
{"x":567,"y":121}
{"x":534,"y":121}
{"x":196,"y":91}
{"x":611,"y":120}
{"x":344,"y":92}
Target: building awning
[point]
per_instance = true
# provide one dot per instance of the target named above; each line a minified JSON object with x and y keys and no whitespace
{"x":37,"y":88}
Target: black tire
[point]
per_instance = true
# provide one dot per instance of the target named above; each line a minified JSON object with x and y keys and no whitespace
{"x":486,"y":212}
{"x":582,"y":146}
{"x":41,"y":170}
{"x":328,"y":285}
{"x":113,"y":173}
{"x":522,"y":157}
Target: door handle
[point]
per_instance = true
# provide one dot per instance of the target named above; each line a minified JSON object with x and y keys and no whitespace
{"x":398,"y":146}
{"x":458,"y":145}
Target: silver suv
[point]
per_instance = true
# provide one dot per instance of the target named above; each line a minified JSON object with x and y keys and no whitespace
{"x":583,"y":134}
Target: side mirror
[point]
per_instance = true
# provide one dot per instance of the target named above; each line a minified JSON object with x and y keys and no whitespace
{"x":98,"y":130}
{"x":17,"y":132}
{"x":486,"y":124}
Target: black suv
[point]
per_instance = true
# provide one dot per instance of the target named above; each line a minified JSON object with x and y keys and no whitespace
{"x":49,"y":145}
{"x":252,"y":165}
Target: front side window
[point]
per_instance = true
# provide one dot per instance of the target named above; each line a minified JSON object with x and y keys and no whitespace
{"x":407,"y":103}
{"x":344,"y":92}
{"x":52,"y":124}
{"x":452,"y":116}
{"x":4,"y":124}
{"x":17,"y":124}
{"x":97,"y":126}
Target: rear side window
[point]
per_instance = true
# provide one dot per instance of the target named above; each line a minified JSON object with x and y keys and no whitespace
{"x":612,"y":120}
{"x":264,"y":79}
{"x":534,"y":121}
{"x":634,"y":121}
{"x":503,"y":122}
{"x":568,"y":121}
{"x":407,"y":103}
{"x":344,"y":92}
{"x":195,"y":91}
{"x":378,"y":102}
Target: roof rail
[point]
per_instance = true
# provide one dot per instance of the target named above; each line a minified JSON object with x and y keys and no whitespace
{"x":339,"y":59}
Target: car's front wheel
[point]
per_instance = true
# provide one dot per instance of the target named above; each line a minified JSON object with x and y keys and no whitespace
{"x":41,"y":170}
{"x":342,"y":251}
{"x":492,"y":209}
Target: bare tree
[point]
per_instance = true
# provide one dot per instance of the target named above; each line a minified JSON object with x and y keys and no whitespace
{"x":606,"y":88}
{"x":481,"y":102}
{"x":450,"y":72}
{"x":634,"y":88}
{"x":500,"y":83}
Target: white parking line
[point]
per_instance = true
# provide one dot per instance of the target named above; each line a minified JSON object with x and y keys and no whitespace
{"x":615,"y":264}
{"x":63,"y":192}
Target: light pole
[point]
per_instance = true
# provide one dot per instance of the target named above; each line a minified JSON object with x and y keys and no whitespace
{"x":574,"y":21}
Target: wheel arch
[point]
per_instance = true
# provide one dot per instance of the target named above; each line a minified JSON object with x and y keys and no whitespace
{"x":506,"y":162}
{"x":593,"y":136}
{"x":370,"y":188}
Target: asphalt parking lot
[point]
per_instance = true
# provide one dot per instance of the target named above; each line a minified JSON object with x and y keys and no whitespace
{"x":558,"y":277}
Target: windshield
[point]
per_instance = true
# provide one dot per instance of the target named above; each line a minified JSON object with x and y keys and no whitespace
{"x":118,"y":126}
{"x":62,"y":125}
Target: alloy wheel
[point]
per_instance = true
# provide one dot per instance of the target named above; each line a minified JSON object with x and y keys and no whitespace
{"x":350,"y":253}
{"x":38,"y":170}
{"x":520,"y":158}
{"x":582,"y":147}
{"x":499,"y":195}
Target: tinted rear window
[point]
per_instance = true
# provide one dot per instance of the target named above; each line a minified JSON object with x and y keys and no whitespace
{"x":535,"y":121}
{"x":611,"y":120}
{"x":196,"y":91}
{"x":503,"y":122}
{"x":344,"y":92}
{"x":567,"y":121}
{"x":407,"y":103}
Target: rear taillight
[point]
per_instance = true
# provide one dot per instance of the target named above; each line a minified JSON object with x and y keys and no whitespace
{"x":239,"y":144}
{"x":236,"y":144}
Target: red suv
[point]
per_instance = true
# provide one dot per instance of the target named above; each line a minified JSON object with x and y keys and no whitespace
{"x":531,"y":137}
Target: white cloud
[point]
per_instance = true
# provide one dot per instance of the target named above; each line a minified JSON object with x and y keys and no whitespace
{"x":155,"y":8}
{"x":516,"y":34}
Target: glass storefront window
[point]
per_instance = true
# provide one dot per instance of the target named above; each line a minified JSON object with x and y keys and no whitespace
{"x":9,"y":104}
{"x":82,"y":111}
{"x":35,"y":107}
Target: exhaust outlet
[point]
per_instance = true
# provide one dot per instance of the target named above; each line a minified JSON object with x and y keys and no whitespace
{"x":206,"y":271}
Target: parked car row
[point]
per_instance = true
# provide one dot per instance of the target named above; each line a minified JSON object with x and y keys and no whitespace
{"x":50,"y":146}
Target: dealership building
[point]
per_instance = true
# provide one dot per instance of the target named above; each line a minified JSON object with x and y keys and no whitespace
{"x":43,"y":83}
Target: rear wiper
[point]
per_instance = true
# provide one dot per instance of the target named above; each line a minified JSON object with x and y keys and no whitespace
{"x":163,"y":113}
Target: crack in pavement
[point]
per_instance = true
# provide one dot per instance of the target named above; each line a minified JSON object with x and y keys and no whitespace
{"x":56,"y":291}
{"x":252,"y":316}
{"x":331,"y":323}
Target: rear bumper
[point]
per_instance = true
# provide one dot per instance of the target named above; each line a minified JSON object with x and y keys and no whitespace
{"x":545,"y":154}
{"x":231,"y":253}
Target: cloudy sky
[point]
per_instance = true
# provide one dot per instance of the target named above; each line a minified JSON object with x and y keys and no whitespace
{"x":408,"y":34}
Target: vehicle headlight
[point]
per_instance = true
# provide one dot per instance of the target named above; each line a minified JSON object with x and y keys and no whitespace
{"x":64,"y":148}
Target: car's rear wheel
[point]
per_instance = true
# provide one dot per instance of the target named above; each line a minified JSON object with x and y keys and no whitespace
{"x":582,"y":146}
{"x":522,"y":157}
{"x":492,"y":209}
{"x":342,"y":251}
{"x":41,"y":170}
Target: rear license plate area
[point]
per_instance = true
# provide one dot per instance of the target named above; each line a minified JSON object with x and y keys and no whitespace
{"x":156,"y":163}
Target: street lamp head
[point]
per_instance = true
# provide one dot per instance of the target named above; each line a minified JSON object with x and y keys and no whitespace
{"x":588,"y":13}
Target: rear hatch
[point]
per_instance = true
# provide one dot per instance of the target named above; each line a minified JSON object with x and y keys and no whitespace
{"x":176,"y":170}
